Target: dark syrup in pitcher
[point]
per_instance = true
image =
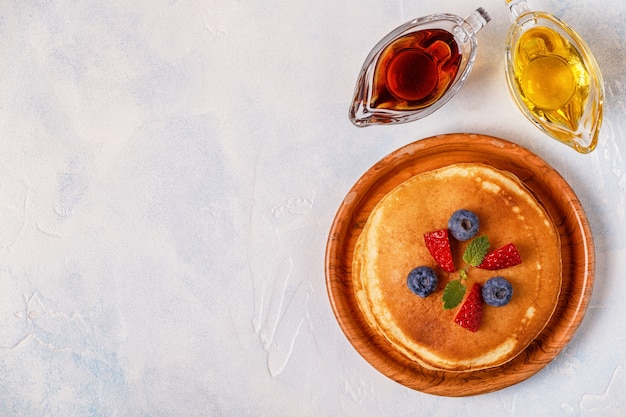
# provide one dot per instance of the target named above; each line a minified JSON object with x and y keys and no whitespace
{"x":415,"y":70}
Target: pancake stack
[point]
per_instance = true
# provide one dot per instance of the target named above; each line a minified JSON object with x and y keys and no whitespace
{"x":392,"y":244}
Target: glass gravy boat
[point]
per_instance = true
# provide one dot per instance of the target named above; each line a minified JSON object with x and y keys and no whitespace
{"x":553,"y":77}
{"x":416,"y":69}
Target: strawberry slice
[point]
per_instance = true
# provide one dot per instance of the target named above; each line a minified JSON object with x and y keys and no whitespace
{"x":504,"y":257}
{"x":471,"y":310}
{"x":438,"y":245}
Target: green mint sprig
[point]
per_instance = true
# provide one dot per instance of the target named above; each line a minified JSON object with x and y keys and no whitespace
{"x":473,"y":256}
{"x":476,"y":251}
{"x":453,"y":294}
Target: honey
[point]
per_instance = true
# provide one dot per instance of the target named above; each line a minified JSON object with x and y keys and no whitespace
{"x":552,"y":78}
{"x":415,"y":70}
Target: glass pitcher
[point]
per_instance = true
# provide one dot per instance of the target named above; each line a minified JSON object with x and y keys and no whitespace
{"x":416,"y":69}
{"x":553,"y":77}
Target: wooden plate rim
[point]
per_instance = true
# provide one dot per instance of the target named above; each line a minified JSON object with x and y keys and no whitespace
{"x":542,"y":180}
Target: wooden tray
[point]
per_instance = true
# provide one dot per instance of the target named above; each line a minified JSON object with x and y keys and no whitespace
{"x":548,"y":187}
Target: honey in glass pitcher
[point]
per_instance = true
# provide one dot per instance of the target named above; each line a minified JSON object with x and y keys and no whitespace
{"x":553,"y":77}
{"x":553,"y":81}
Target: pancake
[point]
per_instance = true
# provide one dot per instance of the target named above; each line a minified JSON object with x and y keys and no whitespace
{"x":392,"y":244}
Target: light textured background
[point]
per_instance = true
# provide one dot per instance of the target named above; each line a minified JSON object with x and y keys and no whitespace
{"x":169,"y":172}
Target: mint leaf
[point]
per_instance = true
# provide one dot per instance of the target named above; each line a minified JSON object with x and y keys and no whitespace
{"x":476,"y":251}
{"x":453,"y":294}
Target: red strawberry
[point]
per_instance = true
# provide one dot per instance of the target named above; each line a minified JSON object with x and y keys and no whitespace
{"x":438,"y":245}
{"x":471,"y":310}
{"x":504,"y":257}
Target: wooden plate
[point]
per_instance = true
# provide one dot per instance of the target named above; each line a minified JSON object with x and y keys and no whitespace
{"x":548,"y":187}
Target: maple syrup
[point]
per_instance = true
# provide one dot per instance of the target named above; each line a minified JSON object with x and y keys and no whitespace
{"x":415,"y":70}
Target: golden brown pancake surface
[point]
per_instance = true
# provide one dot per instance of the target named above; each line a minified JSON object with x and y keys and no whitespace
{"x":392,"y":244}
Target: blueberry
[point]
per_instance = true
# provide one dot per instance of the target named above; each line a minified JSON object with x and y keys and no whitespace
{"x":463,"y":224}
{"x":422,"y":281}
{"x":497,"y":291}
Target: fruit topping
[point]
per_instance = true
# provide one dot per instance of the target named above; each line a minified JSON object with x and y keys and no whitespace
{"x":422,"y":281}
{"x":497,"y":291}
{"x":471,"y":311}
{"x":504,"y":257}
{"x":463,"y":225}
{"x":454,"y":291}
{"x":438,"y":245}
